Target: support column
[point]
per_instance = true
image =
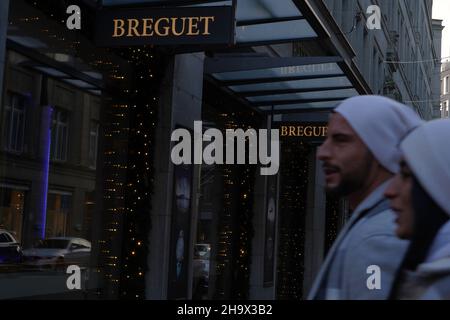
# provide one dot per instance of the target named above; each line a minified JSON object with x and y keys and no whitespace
{"x":315,"y":223}
{"x":258,"y":290}
{"x":180,"y":105}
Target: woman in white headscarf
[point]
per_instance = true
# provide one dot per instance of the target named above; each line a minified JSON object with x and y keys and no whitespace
{"x":420,"y":197}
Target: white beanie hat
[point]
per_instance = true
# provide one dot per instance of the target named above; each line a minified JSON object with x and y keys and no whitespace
{"x":427,"y":152}
{"x":381,"y":123}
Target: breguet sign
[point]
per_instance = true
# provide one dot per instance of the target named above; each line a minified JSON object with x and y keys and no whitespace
{"x":164,"y":26}
{"x":312,"y":131}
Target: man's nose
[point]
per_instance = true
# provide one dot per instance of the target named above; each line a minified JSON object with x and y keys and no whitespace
{"x":391,"y":190}
{"x":323,"y":152}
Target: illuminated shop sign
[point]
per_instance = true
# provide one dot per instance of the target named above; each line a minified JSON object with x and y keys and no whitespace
{"x":309,"y":131}
{"x":164,"y":26}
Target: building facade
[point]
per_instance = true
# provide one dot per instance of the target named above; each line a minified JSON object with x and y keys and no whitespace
{"x":445,"y":92}
{"x":402,"y":58}
{"x":86,"y":143}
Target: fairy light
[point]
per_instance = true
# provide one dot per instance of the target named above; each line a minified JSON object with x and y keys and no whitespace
{"x":141,"y":116}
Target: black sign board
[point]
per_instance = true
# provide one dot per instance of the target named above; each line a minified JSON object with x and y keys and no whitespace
{"x":117,"y":27}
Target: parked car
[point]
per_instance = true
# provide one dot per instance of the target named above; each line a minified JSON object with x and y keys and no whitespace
{"x":201,"y":263}
{"x":58,"y":252}
{"x":10,"y":250}
{"x":202,"y":256}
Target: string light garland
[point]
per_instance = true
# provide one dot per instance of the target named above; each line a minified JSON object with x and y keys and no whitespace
{"x":142,"y":117}
{"x":233,"y":248}
{"x":129,"y":175}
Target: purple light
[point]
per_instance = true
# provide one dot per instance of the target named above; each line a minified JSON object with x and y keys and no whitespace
{"x":46,"y":138}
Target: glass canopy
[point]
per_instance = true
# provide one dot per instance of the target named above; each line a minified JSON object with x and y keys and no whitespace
{"x":300,"y":83}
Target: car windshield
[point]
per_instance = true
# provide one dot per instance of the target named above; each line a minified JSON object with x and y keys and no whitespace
{"x":53,"y":244}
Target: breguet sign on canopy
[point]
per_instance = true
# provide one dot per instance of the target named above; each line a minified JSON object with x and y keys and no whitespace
{"x":164,"y":26}
{"x":311,"y":131}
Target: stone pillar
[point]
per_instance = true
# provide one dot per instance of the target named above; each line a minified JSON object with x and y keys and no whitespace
{"x":315,"y":223}
{"x":258,"y":291}
{"x":180,"y":105}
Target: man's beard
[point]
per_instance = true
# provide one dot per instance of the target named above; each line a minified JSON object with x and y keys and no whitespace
{"x":353,"y":181}
{"x":349,"y":184}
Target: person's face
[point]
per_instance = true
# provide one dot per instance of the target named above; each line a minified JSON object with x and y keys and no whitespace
{"x":346,"y":160}
{"x":399,"y":193}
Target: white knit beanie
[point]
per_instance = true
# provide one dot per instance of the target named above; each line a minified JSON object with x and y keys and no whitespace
{"x":381,"y":123}
{"x":427,"y":152}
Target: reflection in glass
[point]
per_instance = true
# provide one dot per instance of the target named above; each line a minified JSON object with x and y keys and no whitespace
{"x":11,"y":211}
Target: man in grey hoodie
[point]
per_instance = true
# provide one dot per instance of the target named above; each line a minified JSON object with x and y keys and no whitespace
{"x":359,"y":158}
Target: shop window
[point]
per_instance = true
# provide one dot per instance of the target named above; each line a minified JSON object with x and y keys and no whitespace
{"x":12,"y":210}
{"x":60,"y":133}
{"x":14,"y":122}
{"x":58,"y":210}
{"x":93,"y":144}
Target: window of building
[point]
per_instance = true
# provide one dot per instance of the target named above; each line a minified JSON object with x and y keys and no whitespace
{"x":59,"y":205}
{"x":447,"y":85}
{"x":93,"y":144}
{"x":444,"y":109}
{"x":60,"y":134}
{"x":12,"y":203}
{"x":14,"y":122}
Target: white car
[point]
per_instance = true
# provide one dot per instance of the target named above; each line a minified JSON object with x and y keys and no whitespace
{"x":202,"y":256}
{"x":58,"y":252}
{"x":10,"y":250}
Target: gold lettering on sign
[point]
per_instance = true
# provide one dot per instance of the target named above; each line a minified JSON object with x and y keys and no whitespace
{"x":133,"y":24}
{"x":308,"y":131}
{"x":166,"y":28}
{"x":119,"y":25}
{"x":193,"y":26}
{"x":174,"y":26}
{"x":163,"y":27}
{"x":291,"y":131}
{"x":304,"y":131}
{"x":147,"y":27}
{"x":207,"y":21}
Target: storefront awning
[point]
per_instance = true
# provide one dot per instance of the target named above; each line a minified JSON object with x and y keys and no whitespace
{"x":268,"y":21}
{"x":283,"y":85}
